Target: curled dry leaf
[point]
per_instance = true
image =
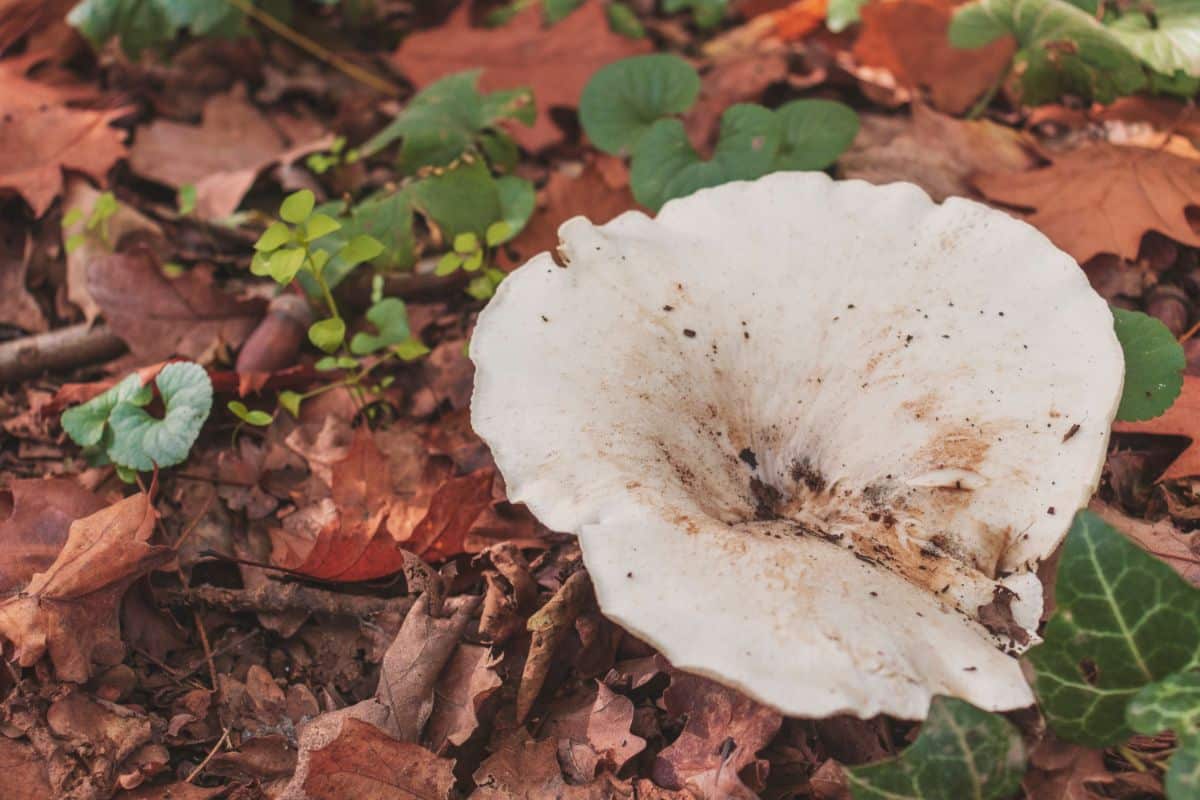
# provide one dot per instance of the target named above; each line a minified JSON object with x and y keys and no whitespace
{"x":176,"y":154}
{"x":517,"y":54}
{"x":70,"y":610}
{"x":909,"y":39}
{"x":723,"y":732}
{"x":522,"y":769}
{"x":37,"y":143}
{"x":592,"y":730}
{"x":549,"y":626}
{"x":34,"y":533}
{"x":1103,"y":198}
{"x":937,"y":152}
{"x":159,"y":317}
{"x":363,"y":762}
{"x":467,"y":682}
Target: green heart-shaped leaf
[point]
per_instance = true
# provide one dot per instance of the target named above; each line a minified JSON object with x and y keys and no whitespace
{"x":86,"y":423}
{"x":390,"y":318}
{"x":141,"y":441}
{"x":815,"y":133}
{"x":1154,"y":364}
{"x":623,"y":100}
{"x":328,"y":334}
{"x":297,"y":206}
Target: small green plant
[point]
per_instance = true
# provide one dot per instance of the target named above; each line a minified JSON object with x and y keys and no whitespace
{"x":628,"y":108}
{"x":336,"y":156}
{"x":1154,"y":364}
{"x":471,"y":256}
{"x":1091,"y":48}
{"x":286,"y":248}
{"x":96,"y":224}
{"x":150,"y":24}
{"x":621,"y":18}
{"x":115,"y":427}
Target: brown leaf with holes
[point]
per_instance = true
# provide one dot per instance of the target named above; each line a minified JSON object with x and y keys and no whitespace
{"x":520,"y":53}
{"x":367,"y":764}
{"x":909,"y":39}
{"x":522,"y":769}
{"x":159,"y":317}
{"x":592,"y":730}
{"x":1102,"y":198}
{"x":38,"y":143}
{"x":723,"y":732}
{"x":937,"y":152}
{"x":70,"y":610}
{"x":598,"y":191}
{"x":222,"y":155}
{"x":34,"y":533}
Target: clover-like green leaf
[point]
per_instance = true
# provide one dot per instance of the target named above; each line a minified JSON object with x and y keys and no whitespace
{"x":447,"y":264}
{"x":141,"y":441}
{"x":282,"y":265}
{"x":411,"y":349}
{"x":319,"y":225}
{"x":466,"y":243}
{"x":274,"y":237}
{"x":665,"y":165}
{"x":328,"y":334}
{"x":290,"y":401}
{"x":390,"y":318}
{"x":961,"y":752}
{"x":498,"y":233}
{"x":248,"y":415}
{"x":86,"y":423}
{"x":359,"y":249}
{"x":815,"y":133}
{"x":297,"y":206}
{"x":1123,"y":620}
{"x":1063,"y":49}
{"x":624,"y":99}
{"x":1154,"y":364}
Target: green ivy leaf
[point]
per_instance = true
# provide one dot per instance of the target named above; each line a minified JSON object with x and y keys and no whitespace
{"x":1154,"y":364}
{"x":1170,"y":42}
{"x":328,"y":334}
{"x":1123,"y":620}
{"x":843,"y":13}
{"x":141,"y":441}
{"x":297,"y":206}
{"x":444,"y":120}
{"x":815,"y":133}
{"x":390,"y":318}
{"x":1170,"y":704}
{"x":249,"y":416}
{"x":961,"y":752}
{"x":1063,"y":49}
{"x":86,"y":423}
{"x":624,"y":99}
{"x":666,"y":166}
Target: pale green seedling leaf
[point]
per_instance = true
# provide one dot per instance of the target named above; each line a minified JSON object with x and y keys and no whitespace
{"x":1123,"y":620}
{"x":498,"y":233}
{"x":624,"y":99}
{"x":411,"y":349}
{"x":843,"y":13}
{"x":466,"y":243}
{"x":290,"y":401}
{"x":1154,"y":364}
{"x":187,"y":199}
{"x":249,"y":416}
{"x":447,"y":264}
{"x":390,"y":318}
{"x":86,"y":423}
{"x":319,"y":225}
{"x":282,"y":265}
{"x":297,"y":206}
{"x":473,"y":262}
{"x":274,"y":237}
{"x":961,"y":752}
{"x":328,"y":334}
{"x":141,"y":441}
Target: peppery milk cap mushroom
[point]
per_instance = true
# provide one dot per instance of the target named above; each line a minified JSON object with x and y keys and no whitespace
{"x":814,"y":436}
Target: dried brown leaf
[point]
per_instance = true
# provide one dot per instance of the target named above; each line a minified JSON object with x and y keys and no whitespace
{"x":34,"y":533}
{"x":467,"y":682}
{"x":520,"y":53}
{"x":522,"y":769}
{"x":363,"y":762}
{"x":1181,"y":419}
{"x":592,"y":730}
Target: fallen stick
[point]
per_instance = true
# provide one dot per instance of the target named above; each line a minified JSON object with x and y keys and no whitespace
{"x":277,"y":598}
{"x":59,"y":349}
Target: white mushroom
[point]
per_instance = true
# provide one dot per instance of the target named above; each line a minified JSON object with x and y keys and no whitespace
{"x":807,"y":431}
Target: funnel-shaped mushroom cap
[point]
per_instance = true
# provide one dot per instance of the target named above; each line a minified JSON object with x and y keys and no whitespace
{"x":814,"y":436}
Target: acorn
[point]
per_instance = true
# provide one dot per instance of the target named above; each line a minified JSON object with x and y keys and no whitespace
{"x":275,"y":343}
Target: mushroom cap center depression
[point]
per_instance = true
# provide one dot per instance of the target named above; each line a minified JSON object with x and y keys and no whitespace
{"x":783,"y":399}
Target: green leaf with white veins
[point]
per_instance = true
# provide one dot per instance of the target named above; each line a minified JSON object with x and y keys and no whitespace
{"x":141,"y":441}
{"x":961,"y":752}
{"x":1170,"y":41}
{"x":624,"y":99}
{"x":85,"y":423}
{"x":1173,"y":704}
{"x":1154,"y":364}
{"x":1123,"y":620}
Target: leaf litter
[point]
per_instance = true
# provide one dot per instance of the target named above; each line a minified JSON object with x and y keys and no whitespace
{"x":344,"y":603}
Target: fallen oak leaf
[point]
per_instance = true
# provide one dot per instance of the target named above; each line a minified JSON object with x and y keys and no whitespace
{"x":70,"y":610}
{"x":909,"y":39}
{"x":34,"y":533}
{"x":364,"y":762}
{"x":159,"y":317}
{"x":463,"y":689}
{"x":1181,"y":419}
{"x":176,"y":155}
{"x":1102,"y":198}
{"x":593,"y":733}
{"x":516,"y":54}
{"x":522,"y":769}
{"x":37,"y":143}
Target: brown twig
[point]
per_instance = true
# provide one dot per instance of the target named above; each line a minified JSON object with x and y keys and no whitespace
{"x":211,"y":753}
{"x":276,"y":598}
{"x":60,"y":349}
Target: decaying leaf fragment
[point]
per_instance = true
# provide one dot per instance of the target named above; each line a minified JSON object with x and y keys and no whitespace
{"x":806,"y":430}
